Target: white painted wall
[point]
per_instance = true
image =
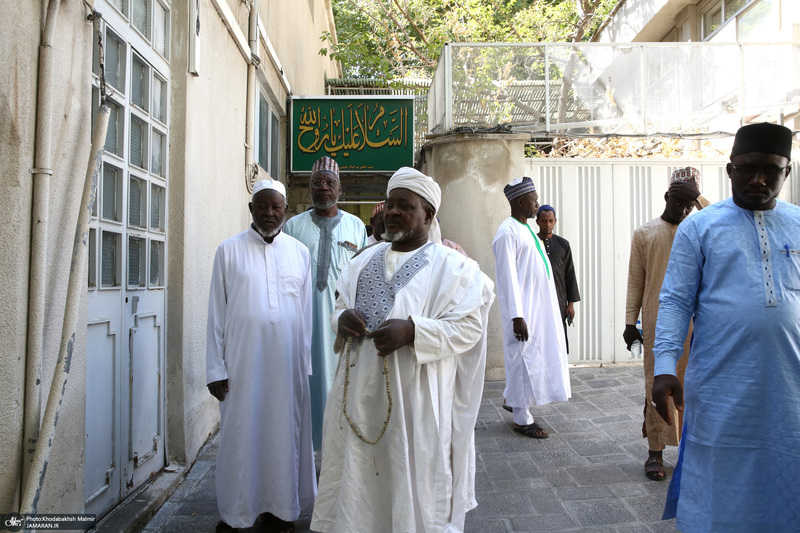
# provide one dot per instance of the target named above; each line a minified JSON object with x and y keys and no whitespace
{"x":207,"y":203}
{"x":70,"y":145}
{"x":599,"y":203}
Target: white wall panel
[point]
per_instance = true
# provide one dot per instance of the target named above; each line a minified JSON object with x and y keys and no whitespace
{"x":598,"y":205}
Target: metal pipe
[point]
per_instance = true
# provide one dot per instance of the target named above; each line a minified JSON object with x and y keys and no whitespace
{"x":250,"y":106}
{"x":77,"y":279}
{"x":40,"y":216}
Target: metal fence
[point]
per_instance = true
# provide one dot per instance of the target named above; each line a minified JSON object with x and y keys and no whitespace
{"x":598,"y":89}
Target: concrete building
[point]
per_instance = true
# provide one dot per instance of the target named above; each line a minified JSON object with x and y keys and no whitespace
{"x":721,"y":21}
{"x":198,"y":96}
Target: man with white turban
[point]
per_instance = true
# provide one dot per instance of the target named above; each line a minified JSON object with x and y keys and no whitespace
{"x":533,"y":337}
{"x":399,"y":424}
{"x":258,"y":360}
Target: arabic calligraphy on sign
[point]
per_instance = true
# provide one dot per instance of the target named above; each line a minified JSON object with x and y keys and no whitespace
{"x":354,"y":128}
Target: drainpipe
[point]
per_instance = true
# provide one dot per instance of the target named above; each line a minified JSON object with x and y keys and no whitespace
{"x":33,"y":478}
{"x":41,"y":171}
{"x":77,"y":282}
{"x":251,"y":170}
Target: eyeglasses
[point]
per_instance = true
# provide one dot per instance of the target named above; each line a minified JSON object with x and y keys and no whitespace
{"x":748,"y":171}
{"x":318,"y":183}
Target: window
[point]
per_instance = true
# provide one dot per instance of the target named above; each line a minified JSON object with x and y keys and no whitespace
{"x":156,"y":263}
{"x":138,"y":149}
{"x":140,"y":11}
{"x":130,"y":206}
{"x":112,"y":193}
{"x":109,"y":260}
{"x":140,"y":83}
{"x":719,"y":13}
{"x":157,"y":203}
{"x":712,"y":20}
{"x":160,"y":28}
{"x":137,"y":203}
{"x":159,"y":99}
{"x":115,"y":51}
{"x":114,"y":133}
{"x":137,"y":253}
{"x":268,"y":137}
{"x":157,"y":153}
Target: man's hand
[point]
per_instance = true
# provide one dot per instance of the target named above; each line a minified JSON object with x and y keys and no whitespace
{"x":664,"y":386}
{"x":218,"y":389}
{"x":570,"y":313}
{"x":631,"y":334}
{"x":352,"y":323}
{"x":392,"y":335}
{"x":687,"y":193}
{"x":520,"y":329}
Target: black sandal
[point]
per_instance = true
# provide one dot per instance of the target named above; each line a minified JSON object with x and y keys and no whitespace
{"x":532,"y":430}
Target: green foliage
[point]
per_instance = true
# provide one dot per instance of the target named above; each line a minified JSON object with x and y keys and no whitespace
{"x":403,"y":38}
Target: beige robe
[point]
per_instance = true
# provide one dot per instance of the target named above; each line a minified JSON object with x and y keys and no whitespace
{"x":650,"y":250}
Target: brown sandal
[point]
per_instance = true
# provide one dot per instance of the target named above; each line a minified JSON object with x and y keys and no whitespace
{"x":653,"y":467}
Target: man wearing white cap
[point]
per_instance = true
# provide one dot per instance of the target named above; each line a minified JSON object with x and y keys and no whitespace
{"x":257,"y":365}
{"x":411,"y":318}
{"x":533,"y":336}
{"x":332,"y":237}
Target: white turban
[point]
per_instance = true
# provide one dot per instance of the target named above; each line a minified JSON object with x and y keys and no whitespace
{"x":417,"y":182}
{"x":274,"y":185}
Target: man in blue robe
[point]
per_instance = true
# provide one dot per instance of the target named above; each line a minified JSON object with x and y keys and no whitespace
{"x":332,"y":237}
{"x":735,"y":267}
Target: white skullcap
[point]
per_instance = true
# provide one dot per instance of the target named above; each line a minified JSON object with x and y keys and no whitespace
{"x":417,"y":182}
{"x":275,"y":185}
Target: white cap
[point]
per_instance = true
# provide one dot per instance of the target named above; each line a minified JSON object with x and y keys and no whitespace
{"x":275,"y":185}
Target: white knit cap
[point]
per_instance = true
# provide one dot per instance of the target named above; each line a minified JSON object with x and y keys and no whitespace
{"x":275,"y":185}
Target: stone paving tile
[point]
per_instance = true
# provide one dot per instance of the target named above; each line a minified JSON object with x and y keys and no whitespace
{"x":204,"y":491}
{"x":489,"y":525}
{"x":191,"y":524}
{"x":162,"y":517}
{"x":648,"y":508}
{"x":599,"y":512}
{"x":545,"y":501}
{"x":558,"y":522}
{"x":587,"y":477}
{"x":200,"y":468}
{"x":584,"y":493}
{"x":503,"y":504}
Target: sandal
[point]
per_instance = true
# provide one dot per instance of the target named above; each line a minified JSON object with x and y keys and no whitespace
{"x":653,"y":467}
{"x":534,"y":431}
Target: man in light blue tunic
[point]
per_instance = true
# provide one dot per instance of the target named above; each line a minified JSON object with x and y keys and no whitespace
{"x":735,"y":267}
{"x":332,"y":237}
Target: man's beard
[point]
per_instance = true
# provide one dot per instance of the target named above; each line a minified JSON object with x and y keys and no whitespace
{"x":271,"y":233}
{"x":400,"y":236}
{"x":326,"y":205}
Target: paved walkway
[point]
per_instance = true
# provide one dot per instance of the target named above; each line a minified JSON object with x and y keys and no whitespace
{"x":587,"y":477}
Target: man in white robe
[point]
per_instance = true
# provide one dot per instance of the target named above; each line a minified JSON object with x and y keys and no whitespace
{"x":533,"y":336}
{"x":399,"y":451}
{"x":257,"y":365}
{"x":332,"y":237}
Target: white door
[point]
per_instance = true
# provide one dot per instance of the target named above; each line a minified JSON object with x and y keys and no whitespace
{"x":127,"y":286}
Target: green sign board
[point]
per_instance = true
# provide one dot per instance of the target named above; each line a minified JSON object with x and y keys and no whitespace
{"x":362,"y":133}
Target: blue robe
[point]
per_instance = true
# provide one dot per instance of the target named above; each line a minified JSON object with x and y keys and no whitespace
{"x":347,"y":235}
{"x":738,"y":272}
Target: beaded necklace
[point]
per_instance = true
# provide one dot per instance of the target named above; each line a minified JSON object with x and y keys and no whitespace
{"x":353,"y":425}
